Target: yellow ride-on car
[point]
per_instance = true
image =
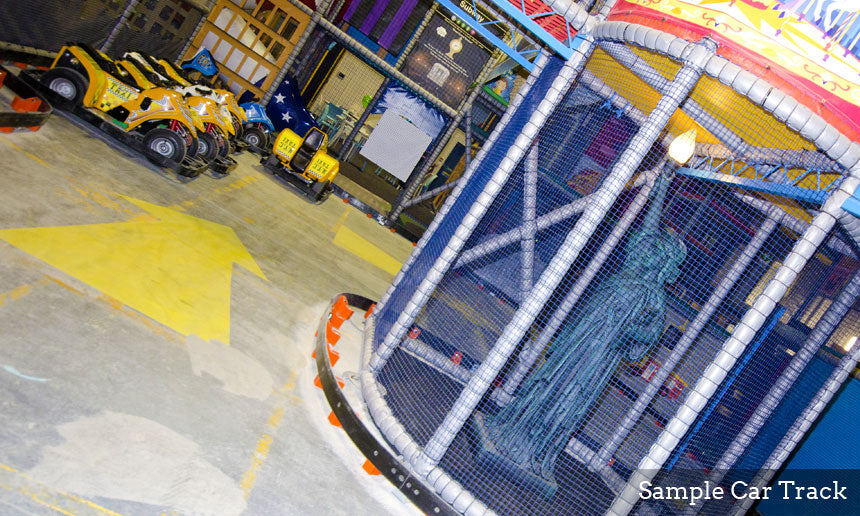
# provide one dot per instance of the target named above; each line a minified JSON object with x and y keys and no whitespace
{"x":223,"y":97}
{"x":155,"y":121}
{"x":213,"y":140}
{"x":304,"y":162}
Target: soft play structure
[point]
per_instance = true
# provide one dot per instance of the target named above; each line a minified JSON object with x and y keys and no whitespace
{"x":648,"y":274}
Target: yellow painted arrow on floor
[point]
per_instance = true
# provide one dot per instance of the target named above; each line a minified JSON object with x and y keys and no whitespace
{"x":172,"y":267}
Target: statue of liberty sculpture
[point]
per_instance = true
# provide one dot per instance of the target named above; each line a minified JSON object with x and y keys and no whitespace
{"x":621,"y":320}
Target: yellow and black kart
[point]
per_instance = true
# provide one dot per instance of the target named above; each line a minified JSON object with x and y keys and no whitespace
{"x":213,"y":140}
{"x":154,"y":121}
{"x":304,"y":162}
{"x":223,"y":97}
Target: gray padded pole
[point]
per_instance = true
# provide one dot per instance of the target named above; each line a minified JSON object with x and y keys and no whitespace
{"x":367,"y":54}
{"x":123,"y":19}
{"x":692,"y":331}
{"x":532,"y":350}
{"x":540,"y":62}
{"x":467,"y":137}
{"x":417,"y":177}
{"x":499,"y":241}
{"x":801,"y":425}
{"x":819,"y":335}
{"x":300,"y":45}
{"x":431,"y":193}
{"x":733,"y":348}
{"x":529,"y":227}
{"x":694,"y":56}
{"x":655,"y":79}
{"x":401,"y":59}
{"x":349,"y":140}
{"x":515,"y":153}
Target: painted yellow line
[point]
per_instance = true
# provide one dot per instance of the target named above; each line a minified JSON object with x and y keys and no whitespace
{"x":236,"y":185}
{"x":342,"y":218}
{"x":20,"y":291}
{"x":56,"y":500}
{"x":28,"y":154}
{"x":346,"y":239}
{"x":172,"y":267}
{"x":261,"y":450}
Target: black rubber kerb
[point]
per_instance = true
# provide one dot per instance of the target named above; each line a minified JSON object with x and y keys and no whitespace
{"x":414,"y":488}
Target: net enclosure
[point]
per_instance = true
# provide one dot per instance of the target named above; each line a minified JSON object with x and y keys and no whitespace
{"x":647,"y":275}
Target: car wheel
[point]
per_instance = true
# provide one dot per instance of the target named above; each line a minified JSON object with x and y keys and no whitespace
{"x":66,"y":83}
{"x":161,"y":144}
{"x":255,"y":137}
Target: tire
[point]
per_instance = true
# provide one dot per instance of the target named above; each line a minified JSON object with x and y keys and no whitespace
{"x":67,"y":83}
{"x":162,"y":144}
{"x":237,"y":126}
{"x":207,"y":147}
{"x":256,"y":137}
{"x":225,"y":148}
{"x":321,"y":191}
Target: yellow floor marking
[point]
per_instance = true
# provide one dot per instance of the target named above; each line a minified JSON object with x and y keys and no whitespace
{"x":59,"y":501}
{"x":28,"y":154}
{"x":261,"y":451}
{"x":175,"y":269}
{"x":352,"y":242}
{"x":237,"y":184}
{"x":20,"y":291}
{"x":342,"y":218}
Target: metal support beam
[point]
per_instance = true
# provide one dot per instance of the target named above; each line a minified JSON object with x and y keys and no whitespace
{"x":574,"y":15}
{"x":486,"y":34}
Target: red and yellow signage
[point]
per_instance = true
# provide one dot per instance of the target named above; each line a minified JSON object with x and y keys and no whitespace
{"x":790,"y":44}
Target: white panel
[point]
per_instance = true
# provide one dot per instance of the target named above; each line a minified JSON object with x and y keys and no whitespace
{"x":247,"y":69}
{"x":235,"y":58}
{"x":262,"y":71}
{"x":223,"y":18}
{"x":221,"y":51}
{"x":395,"y":145}
{"x":209,"y":40}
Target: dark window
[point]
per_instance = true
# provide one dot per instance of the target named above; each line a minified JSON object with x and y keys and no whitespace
{"x":165,"y":13}
{"x":277,"y":49}
{"x":177,"y":22}
{"x":290,"y":28}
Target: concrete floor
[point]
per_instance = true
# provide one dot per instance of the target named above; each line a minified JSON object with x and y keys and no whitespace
{"x":156,"y":336}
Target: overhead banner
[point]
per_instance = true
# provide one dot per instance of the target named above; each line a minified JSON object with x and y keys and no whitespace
{"x":446,"y":60}
{"x":807,"y":47}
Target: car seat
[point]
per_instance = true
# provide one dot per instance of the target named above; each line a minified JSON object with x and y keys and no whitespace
{"x":306,"y":151}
